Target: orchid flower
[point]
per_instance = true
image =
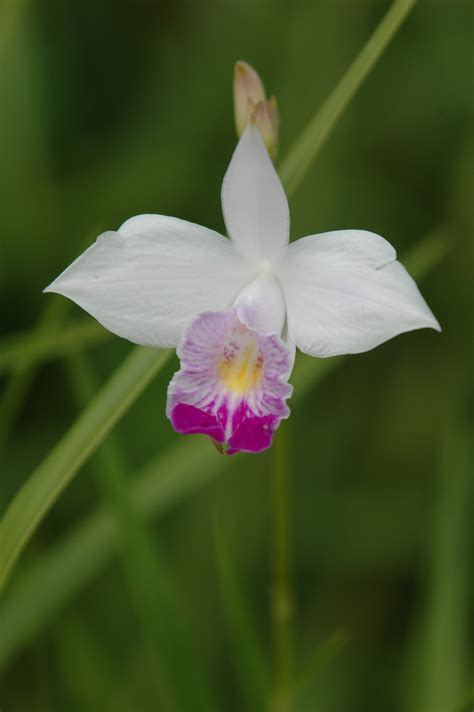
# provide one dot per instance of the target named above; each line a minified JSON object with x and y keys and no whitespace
{"x":236,"y":308}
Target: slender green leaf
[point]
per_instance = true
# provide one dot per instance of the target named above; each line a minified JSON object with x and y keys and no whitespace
{"x":10,"y":15}
{"x":22,"y":351}
{"x":429,"y":252}
{"x":318,"y":661}
{"x":76,"y":641}
{"x":441,"y":678}
{"x":108,"y":460}
{"x":300,"y":157}
{"x":22,"y":366}
{"x":467,"y":705}
{"x":74,"y":561}
{"x":282,"y":599}
{"x":78,"y":557}
{"x":247,"y":653}
{"x":45,"y":485}
{"x":149,"y":580}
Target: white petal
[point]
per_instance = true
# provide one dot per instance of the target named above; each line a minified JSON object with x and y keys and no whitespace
{"x":253,"y":200}
{"x":346,"y":293}
{"x":261,"y":305}
{"x":149,"y":279}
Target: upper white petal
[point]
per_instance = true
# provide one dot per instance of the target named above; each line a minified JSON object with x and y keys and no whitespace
{"x":149,"y":279}
{"x":254,"y":203}
{"x":346,"y":293}
{"x":261,"y":304}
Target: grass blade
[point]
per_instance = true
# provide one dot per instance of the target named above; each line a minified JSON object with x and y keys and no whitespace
{"x":21,"y":352}
{"x":318,"y":662}
{"x":442,"y":678}
{"x":149,"y":581}
{"x":73,"y":641}
{"x":244,"y":644}
{"x":296,"y":164}
{"x":282,"y":599}
{"x":45,"y":485}
{"x":22,"y":372}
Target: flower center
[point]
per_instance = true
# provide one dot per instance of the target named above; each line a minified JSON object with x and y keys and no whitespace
{"x":266,"y":267}
{"x":240,"y":367}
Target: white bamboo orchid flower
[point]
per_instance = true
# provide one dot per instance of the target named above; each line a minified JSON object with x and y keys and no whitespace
{"x":237,"y":308}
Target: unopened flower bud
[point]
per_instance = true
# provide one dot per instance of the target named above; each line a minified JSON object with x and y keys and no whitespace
{"x":268,"y":119}
{"x":248,"y":92}
{"x":251,"y":104}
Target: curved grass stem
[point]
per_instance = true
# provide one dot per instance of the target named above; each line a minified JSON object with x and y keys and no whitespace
{"x":44,"y":486}
{"x":305,"y":149}
{"x":282,"y":608}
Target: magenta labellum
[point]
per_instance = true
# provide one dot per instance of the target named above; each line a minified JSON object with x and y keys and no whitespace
{"x":232,"y":384}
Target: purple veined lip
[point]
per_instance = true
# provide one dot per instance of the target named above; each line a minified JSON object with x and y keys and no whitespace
{"x":232,"y":384}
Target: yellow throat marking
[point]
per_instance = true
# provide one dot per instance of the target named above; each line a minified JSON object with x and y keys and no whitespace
{"x":240,"y":371}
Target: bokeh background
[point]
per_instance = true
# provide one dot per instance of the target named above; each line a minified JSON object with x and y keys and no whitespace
{"x":116,"y":108}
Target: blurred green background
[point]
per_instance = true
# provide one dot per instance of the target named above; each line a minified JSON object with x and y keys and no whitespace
{"x":112,"y":109}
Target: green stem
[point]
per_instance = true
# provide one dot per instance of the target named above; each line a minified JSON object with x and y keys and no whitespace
{"x":300,"y":157}
{"x":50,"y":339}
{"x":443,"y":640}
{"x":23,"y":371}
{"x":44,"y":486}
{"x":245,"y":648}
{"x":183,"y":680}
{"x":20,"y":354}
{"x":282,"y":599}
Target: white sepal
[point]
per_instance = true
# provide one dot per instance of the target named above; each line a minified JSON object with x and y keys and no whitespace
{"x":254,"y":203}
{"x":346,"y":293}
{"x":149,"y":279}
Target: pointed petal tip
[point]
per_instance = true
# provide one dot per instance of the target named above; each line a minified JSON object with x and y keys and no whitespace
{"x":425,"y":324}
{"x":431,"y":322}
{"x":53,"y":287}
{"x":241,"y":67}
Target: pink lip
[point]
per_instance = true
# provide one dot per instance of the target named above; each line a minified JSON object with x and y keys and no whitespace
{"x":253,"y":434}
